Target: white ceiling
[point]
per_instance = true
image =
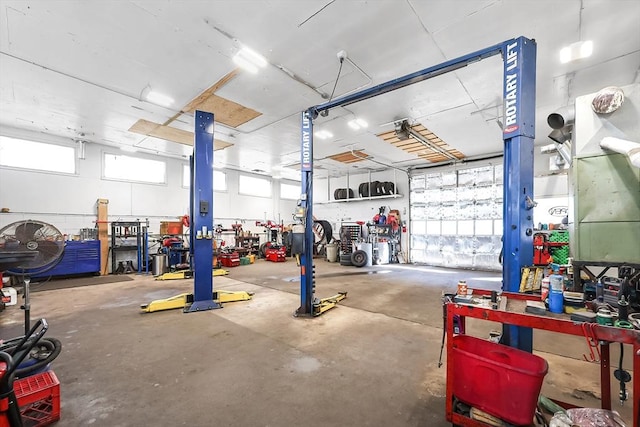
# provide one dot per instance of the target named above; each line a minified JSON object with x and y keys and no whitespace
{"x":76,"y":69}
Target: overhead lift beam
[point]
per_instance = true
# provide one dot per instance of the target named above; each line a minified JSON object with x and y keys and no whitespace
{"x":519,"y":57}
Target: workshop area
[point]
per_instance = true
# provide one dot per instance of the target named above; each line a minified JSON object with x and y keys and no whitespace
{"x":329,"y":212}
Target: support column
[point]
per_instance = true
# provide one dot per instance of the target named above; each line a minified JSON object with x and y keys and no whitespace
{"x":519,"y":57}
{"x":307,"y":285}
{"x":202,"y":214}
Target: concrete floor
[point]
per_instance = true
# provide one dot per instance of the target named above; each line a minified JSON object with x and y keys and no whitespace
{"x":372,"y":361}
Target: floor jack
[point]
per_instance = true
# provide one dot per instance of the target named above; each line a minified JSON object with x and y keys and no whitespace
{"x":320,"y":306}
{"x":188,"y":274}
{"x":180,"y":301}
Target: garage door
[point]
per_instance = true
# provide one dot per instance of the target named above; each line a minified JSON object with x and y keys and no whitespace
{"x":456,"y":217}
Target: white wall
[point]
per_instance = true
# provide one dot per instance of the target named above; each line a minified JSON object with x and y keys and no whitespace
{"x":69,"y":201}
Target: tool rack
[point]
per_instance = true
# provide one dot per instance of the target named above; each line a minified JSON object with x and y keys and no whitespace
{"x":601,"y":336}
{"x":350,"y":233}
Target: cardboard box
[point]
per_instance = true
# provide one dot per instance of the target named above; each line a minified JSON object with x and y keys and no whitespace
{"x":170,"y":227}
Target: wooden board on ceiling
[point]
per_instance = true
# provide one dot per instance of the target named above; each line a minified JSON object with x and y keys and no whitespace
{"x":148,"y":128}
{"x":225,"y":111}
{"x":417,"y":148}
{"x":350,"y":157}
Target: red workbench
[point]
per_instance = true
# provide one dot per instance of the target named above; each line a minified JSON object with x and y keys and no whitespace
{"x":604,"y":335}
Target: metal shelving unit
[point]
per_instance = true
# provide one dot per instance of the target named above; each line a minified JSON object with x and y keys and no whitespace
{"x":128,"y":236}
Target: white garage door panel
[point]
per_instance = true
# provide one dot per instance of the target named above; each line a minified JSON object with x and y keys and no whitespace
{"x":456,"y":217}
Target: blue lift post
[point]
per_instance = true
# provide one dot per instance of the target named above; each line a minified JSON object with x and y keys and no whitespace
{"x":519,"y":56}
{"x":201,"y":206}
{"x":519,"y":132}
{"x":307,"y":285}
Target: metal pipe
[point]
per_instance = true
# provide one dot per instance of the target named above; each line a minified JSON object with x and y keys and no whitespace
{"x":562,"y":117}
{"x":629,"y":148}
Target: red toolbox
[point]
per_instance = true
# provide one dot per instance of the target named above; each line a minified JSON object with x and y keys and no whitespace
{"x":276,"y":253}
{"x":486,"y":375}
{"x":229,"y":259}
{"x":39,"y":400}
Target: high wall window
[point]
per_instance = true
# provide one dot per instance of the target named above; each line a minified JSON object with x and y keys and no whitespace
{"x":289,"y":191}
{"x":219,"y":179}
{"x":20,"y":153}
{"x":127,"y":168}
{"x":254,"y":186}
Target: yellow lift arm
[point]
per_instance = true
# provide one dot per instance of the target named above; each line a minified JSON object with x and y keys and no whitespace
{"x":180,"y":301}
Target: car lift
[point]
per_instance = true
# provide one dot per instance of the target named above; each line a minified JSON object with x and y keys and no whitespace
{"x":519,"y":89}
{"x":200,"y":232}
{"x":180,"y":301}
{"x":188,"y":274}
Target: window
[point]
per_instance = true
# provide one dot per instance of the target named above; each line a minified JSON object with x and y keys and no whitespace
{"x":288,"y":191}
{"x":254,"y":186}
{"x":20,"y":153}
{"x":219,"y":179}
{"x":129,"y":168}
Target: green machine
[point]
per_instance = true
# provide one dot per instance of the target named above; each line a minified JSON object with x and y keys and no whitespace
{"x":605,"y":185}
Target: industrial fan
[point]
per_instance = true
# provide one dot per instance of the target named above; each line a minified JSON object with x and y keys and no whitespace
{"x":29,"y":248}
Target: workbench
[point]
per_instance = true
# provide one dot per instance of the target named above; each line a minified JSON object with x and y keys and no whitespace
{"x":514,"y":314}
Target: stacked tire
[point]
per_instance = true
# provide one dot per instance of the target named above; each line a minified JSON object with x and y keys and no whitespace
{"x":343,"y":193}
{"x":376,"y":189}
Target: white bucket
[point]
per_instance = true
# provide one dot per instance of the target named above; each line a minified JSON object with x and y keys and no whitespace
{"x":9,"y":296}
{"x":332,"y":252}
{"x":368,"y":248}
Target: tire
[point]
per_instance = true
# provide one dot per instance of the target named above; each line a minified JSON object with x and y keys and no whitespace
{"x":345,"y":259}
{"x":365,"y":189}
{"x":336,"y":194}
{"x":389,"y":188}
{"x":359,"y":258}
{"x":373,"y":188}
{"x":325,"y":233}
{"x":328,"y":230}
{"x":361,"y":189}
{"x":262,"y":250}
{"x":352,"y":195}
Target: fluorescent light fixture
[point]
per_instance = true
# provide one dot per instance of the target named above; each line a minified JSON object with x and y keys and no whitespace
{"x":160,"y":99}
{"x":357,"y":124}
{"x":244,"y":64}
{"x":249,"y":60}
{"x":128,"y":148}
{"x":575,"y":51}
{"x":362,"y":123}
{"x":323,"y":134}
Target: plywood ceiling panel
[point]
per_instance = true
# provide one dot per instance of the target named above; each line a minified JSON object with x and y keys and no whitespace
{"x":418,"y":148}
{"x":145,"y":127}
{"x":226,"y":112}
{"x":350,"y":157}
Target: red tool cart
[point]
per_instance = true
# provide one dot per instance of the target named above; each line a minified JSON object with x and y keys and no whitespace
{"x":276,"y":253}
{"x":598,"y":338}
{"x":229,"y":259}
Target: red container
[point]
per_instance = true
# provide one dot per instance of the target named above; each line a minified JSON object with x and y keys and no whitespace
{"x":229,"y":259}
{"x":500,"y":380}
{"x":276,"y":254}
{"x":39,"y":400}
